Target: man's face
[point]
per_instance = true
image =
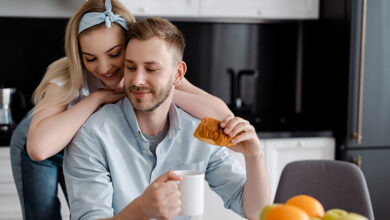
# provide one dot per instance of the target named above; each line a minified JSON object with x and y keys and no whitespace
{"x":149,"y":73}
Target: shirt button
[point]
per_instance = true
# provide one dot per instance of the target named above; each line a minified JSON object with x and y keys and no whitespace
{"x":144,"y":151}
{"x":136,"y":135}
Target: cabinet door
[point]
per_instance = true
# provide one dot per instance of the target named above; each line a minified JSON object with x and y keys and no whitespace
{"x":267,"y":9}
{"x":166,"y":8}
{"x":375,"y":165}
{"x":9,"y":201}
{"x":280,"y":152}
{"x":375,"y":119}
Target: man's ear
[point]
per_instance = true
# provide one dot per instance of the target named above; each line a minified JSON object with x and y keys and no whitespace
{"x":180,"y":72}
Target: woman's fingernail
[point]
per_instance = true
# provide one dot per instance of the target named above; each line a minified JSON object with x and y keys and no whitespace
{"x":227,"y":130}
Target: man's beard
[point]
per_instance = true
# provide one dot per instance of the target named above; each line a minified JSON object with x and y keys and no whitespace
{"x":158,"y":97}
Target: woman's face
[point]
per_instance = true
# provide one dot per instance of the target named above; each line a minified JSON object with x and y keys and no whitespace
{"x":103,"y":52}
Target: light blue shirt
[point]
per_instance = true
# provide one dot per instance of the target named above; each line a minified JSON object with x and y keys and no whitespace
{"x":109,"y":164}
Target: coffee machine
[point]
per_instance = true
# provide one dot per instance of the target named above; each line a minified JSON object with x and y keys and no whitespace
{"x":6,"y":97}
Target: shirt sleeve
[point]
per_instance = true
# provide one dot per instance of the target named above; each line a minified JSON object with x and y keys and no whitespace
{"x":87,"y":177}
{"x":227,"y":178}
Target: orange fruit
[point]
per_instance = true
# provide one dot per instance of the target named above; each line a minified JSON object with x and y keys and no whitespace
{"x":286,"y":212}
{"x":309,"y":204}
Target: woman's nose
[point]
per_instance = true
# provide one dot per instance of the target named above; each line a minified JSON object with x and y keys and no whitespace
{"x":104,"y":66}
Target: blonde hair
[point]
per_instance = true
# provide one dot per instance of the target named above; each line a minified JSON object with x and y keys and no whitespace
{"x":162,"y":28}
{"x":69,"y":69}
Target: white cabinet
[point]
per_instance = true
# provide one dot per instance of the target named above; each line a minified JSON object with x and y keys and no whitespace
{"x":226,"y":10}
{"x":261,"y":9}
{"x":166,"y":8}
{"x":9,"y":201}
{"x":281,"y":151}
{"x":278,"y":152}
{"x":194,"y":10}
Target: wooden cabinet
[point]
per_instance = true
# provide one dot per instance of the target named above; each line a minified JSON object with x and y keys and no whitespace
{"x":9,"y":201}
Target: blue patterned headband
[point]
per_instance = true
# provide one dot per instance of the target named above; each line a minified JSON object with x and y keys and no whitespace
{"x":91,"y":19}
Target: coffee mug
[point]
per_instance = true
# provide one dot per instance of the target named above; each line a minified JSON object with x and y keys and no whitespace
{"x":191,"y":188}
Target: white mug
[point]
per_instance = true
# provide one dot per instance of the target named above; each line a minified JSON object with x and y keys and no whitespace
{"x":191,"y":188}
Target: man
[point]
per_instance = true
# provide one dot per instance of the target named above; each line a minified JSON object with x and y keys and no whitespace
{"x":120,"y":163}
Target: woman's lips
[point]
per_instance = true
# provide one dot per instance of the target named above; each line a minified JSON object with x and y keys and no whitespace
{"x":111,"y":75}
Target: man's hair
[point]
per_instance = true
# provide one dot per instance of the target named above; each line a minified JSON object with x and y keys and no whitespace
{"x":148,"y":28}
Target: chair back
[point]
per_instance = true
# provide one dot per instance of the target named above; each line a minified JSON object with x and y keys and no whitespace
{"x":336,"y":184}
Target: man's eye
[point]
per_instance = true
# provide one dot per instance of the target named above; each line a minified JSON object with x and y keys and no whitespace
{"x":131,"y":68}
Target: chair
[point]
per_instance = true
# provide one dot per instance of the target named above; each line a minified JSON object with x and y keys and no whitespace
{"x":336,"y":184}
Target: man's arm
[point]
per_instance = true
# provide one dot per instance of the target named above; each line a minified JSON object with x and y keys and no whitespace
{"x":87,"y":178}
{"x":257,"y":187}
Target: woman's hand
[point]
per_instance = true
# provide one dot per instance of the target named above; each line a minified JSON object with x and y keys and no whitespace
{"x":107,"y":95}
{"x":245,"y":137}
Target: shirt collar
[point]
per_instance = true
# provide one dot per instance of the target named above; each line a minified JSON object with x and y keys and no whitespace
{"x":173,"y":113}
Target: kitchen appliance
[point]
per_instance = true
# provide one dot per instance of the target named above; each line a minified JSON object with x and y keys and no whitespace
{"x":236,"y":103}
{"x":6,"y":97}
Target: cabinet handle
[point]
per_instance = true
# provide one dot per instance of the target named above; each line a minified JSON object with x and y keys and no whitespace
{"x":358,"y":134}
{"x":358,"y":161}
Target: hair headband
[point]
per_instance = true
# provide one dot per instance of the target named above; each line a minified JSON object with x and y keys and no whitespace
{"x":91,"y":19}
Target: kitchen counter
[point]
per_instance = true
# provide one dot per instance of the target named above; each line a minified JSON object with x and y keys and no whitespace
{"x":294,"y":134}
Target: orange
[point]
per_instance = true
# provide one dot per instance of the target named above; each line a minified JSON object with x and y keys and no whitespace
{"x":286,"y":212}
{"x":309,"y":204}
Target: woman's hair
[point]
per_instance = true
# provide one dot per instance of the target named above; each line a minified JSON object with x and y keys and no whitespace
{"x":69,"y":69}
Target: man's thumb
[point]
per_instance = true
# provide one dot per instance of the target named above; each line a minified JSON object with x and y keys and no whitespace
{"x":170,"y":175}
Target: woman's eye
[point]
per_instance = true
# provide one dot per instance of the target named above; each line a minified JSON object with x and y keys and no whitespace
{"x":90,"y":59}
{"x":151,"y":70}
{"x":115,"y":55}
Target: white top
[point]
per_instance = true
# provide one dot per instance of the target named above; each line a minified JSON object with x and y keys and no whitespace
{"x":90,"y":84}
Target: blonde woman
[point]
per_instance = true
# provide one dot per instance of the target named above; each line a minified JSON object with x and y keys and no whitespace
{"x":74,"y":87}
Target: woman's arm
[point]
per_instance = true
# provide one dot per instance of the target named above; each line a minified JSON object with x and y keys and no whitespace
{"x":198,"y":102}
{"x":51,"y":129}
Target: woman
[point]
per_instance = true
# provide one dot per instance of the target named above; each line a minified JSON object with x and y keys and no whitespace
{"x":74,"y":87}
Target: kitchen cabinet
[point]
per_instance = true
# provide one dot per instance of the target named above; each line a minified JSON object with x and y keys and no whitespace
{"x":9,"y":201}
{"x":166,"y":8}
{"x":180,"y":10}
{"x":281,"y":151}
{"x":367,"y":139}
{"x":261,"y":9}
{"x":278,"y":152}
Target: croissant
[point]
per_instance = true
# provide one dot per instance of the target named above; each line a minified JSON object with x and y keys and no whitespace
{"x":210,"y":132}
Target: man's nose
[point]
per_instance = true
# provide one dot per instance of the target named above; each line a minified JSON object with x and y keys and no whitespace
{"x":139,"y":77}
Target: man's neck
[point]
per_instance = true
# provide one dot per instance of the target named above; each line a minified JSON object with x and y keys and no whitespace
{"x":152,"y":123}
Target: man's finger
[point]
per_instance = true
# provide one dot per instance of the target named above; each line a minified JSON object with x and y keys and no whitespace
{"x":170,"y":175}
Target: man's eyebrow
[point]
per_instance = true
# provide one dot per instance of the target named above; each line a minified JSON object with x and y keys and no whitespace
{"x":146,"y":63}
{"x":109,"y":50}
{"x":129,"y":61}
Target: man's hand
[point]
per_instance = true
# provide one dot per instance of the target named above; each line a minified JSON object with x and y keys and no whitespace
{"x":161,"y":199}
{"x":246,"y":140}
